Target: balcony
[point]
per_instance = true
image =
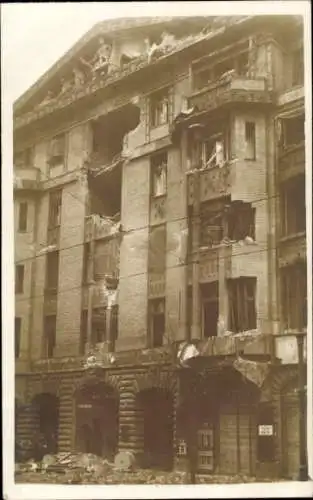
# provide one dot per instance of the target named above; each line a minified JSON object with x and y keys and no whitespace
{"x":214,"y":182}
{"x":26,"y":179}
{"x":291,"y":249}
{"x":156,"y":285}
{"x":291,"y":162}
{"x":291,"y":96}
{"x":230,"y":90}
{"x":97,"y":227}
{"x":212,"y":261}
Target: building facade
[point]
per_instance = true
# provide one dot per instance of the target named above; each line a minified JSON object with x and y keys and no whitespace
{"x":159,"y":190}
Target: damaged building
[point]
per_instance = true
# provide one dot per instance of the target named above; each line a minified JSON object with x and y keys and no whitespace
{"x":160,"y":245}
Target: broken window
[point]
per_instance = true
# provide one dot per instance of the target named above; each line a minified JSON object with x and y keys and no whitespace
{"x":294,"y":296}
{"x":57,"y":151}
{"x":50,"y":335}
{"x":17,"y":335}
{"x":298,"y":67}
{"x":250,"y":148}
{"x":293,"y":210}
{"x":212,"y":218}
{"x":210,"y":309}
{"x":240,"y":221}
{"x":157,"y":321}
{"x":24,"y":158}
{"x":83,"y":331}
{"x":293,"y":130}
{"x":157,"y":249}
{"x":241,"y":64}
{"x":19,"y":278}
{"x":242,"y":310}
{"x":55,"y":206}
{"x":159,"y":174}
{"x":159,"y":108}
{"x":214,"y":151}
{"x":52,"y":271}
{"x":22,"y":218}
{"x":99,"y":333}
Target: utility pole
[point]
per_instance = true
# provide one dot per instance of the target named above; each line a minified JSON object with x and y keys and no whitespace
{"x":303,"y":466}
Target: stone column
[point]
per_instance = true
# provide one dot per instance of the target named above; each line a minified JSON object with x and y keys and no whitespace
{"x":130,"y":420}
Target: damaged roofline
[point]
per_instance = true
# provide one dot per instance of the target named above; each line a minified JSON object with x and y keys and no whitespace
{"x":108,"y":27}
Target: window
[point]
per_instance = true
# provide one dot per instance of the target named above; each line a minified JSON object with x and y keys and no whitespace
{"x":241,"y":221}
{"x":212,"y":222}
{"x":24,"y":158}
{"x":214,"y":151}
{"x":157,"y":321}
{"x":298,"y":67}
{"x":98,"y":333}
{"x":294,"y":296}
{"x":17,"y":334}
{"x":210,"y":309}
{"x":159,"y":174}
{"x":189,"y":310}
{"x":83,"y":331}
{"x":293,"y":210}
{"x":19,"y":278}
{"x":50,"y":335}
{"x":57,"y":151}
{"x":114,"y":322}
{"x":52,"y":271}
{"x":157,"y":250}
{"x":242,"y":311}
{"x":250,"y":141}
{"x":159,"y":108}
{"x":293,"y":131}
{"x":22,"y":218}
{"x":55,"y":205}
{"x":190,"y":231}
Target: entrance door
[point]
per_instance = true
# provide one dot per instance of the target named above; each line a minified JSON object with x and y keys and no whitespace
{"x":206,"y":448}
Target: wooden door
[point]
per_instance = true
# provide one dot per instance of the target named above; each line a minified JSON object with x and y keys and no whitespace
{"x":206,"y":448}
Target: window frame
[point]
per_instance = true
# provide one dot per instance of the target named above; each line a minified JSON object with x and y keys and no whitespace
{"x":163,"y":166}
{"x":57,"y":160}
{"x":55,"y":208}
{"x":19,"y":278}
{"x":154,"y":341}
{"x":50,"y":344}
{"x":252,"y":138}
{"x":54,"y":272}
{"x":17,"y":336}
{"x":22,"y":228}
{"x":157,"y":99}
{"x":240,"y":300}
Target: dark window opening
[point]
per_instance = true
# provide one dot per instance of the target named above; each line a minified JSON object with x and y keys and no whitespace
{"x":212,"y":222}
{"x":159,"y":174}
{"x":57,"y":151}
{"x":55,"y":206}
{"x":294,"y":296}
{"x":52,"y":271}
{"x":83,"y":331}
{"x":157,"y":250}
{"x":114,"y":322}
{"x":242,"y":308}
{"x":99,"y":330}
{"x":240,"y":221}
{"x":159,"y":108}
{"x":157,"y":321}
{"x":210,"y":309}
{"x":250,"y":152}
{"x":189,"y":310}
{"x":190,"y":231}
{"x":19,"y":278}
{"x":23,"y":158}
{"x":22,"y":218}
{"x":293,"y":209}
{"x":50,"y":335}
{"x":293,"y":130}
{"x":17,"y":334}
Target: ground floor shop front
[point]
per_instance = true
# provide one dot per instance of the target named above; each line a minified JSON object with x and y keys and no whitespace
{"x":219,"y":420}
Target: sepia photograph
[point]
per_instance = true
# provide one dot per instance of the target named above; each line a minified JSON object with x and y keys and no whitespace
{"x":157,"y":272}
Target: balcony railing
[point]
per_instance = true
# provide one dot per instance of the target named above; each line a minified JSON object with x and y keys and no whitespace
{"x":156,"y":285}
{"x":214,"y":182}
{"x":231,"y":89}
{"x":26,"y":178}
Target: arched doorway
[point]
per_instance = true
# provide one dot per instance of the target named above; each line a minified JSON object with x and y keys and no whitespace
{"x":157,"y":410}
{"x":47,"y":409}
{"x":97,"y":420}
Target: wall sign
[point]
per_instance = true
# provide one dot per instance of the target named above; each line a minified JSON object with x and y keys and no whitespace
{"x":265,"y":430}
